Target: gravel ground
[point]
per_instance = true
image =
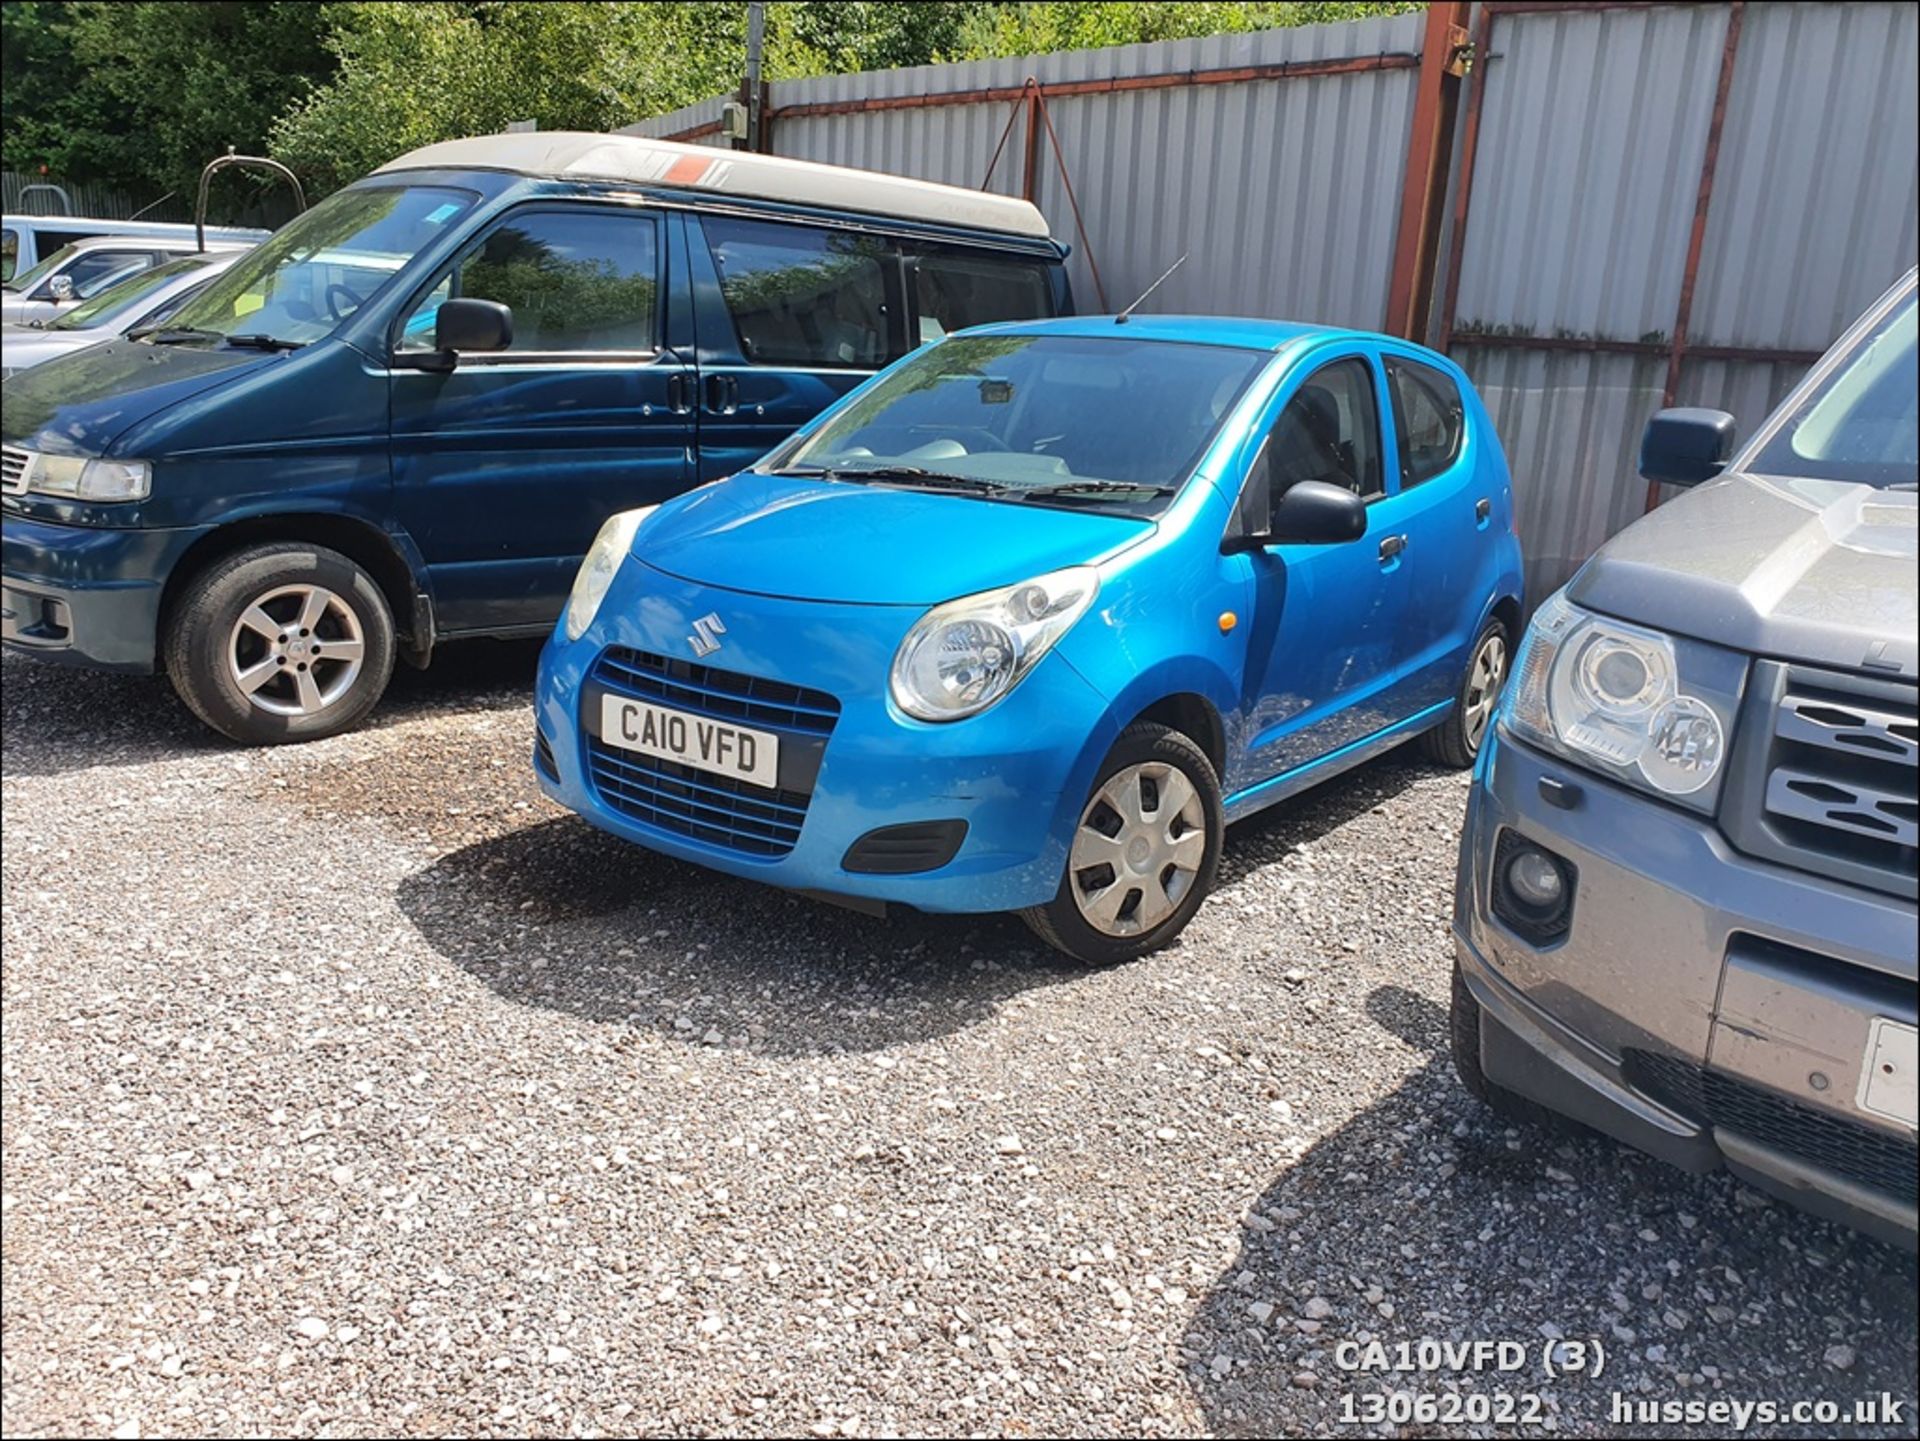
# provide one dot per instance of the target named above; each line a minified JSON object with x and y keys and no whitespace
{"x":353,"y":1089}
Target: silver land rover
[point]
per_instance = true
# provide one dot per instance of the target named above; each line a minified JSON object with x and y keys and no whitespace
{"x":1685,"y":911}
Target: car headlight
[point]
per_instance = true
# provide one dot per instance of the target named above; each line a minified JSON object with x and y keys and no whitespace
{"x":961,"y":657}
{"x":602,"y":564}
{"x":77,"y":477}
{"x":1651,"y":709}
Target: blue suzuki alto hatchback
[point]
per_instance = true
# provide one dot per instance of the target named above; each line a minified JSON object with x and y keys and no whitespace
{"x":1024,"y":621}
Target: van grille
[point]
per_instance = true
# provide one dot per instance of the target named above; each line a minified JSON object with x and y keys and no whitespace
{"x":1884,"y":1162}
{"x":1828,"y":782}
{"x":718,"y":810}
{"x":14,"y":465}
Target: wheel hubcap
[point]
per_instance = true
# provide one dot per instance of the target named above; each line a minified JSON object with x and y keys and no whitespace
{"x":1484,"y":680}
{"x":296,"y":650}
{"x":1138,"y":848}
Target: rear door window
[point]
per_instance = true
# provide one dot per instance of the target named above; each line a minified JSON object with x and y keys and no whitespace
{"x":802,"y":296}
{"x":576,"y":281}
{"x":1428,"y":418}
{"x":952,"y":290}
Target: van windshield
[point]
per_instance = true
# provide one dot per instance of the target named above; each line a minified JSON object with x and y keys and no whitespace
{"x":321,"y":267}
{"x":1862,"y":423}
{"x":1075,"y":420}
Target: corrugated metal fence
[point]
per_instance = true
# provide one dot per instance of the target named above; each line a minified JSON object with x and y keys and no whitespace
{"x":1583,"y":240}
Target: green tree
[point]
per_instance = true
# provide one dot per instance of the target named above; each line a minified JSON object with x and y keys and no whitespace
{"x":993,"y":31}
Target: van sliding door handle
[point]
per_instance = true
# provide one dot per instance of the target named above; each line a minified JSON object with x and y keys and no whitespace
{"x":723,"y":394}
{"x":680,"y":393}
{"x":1391,"y":547}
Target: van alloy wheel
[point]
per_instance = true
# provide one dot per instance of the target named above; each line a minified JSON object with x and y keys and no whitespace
{"x":296,"y":650}
{"x":1139,"y":847}
{"x":1484,"y":679}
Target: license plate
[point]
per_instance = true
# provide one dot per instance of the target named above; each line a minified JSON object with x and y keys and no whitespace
{"x":1887,"y":1079}
{"x":708,"y":745}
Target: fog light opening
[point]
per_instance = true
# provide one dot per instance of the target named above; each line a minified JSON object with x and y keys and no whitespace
{"x":1533,"y":889}
{"x":1536,"y":881}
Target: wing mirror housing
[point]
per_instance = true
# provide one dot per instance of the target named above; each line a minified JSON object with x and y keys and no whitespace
{"x":61,"y":288}
{"x":1311,"y":512}
{"x":462,"y":326}
{"x":1686,"y":445}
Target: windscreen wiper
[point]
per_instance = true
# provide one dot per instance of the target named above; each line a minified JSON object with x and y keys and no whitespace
{"x":171,"y":334}
{"x":263,"y":342}
{"x":1093,"y":489}
{"x":918,"y":475}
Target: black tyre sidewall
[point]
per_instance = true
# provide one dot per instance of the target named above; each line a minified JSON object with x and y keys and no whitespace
{"x":1447,"y":742}
{"x":203,"y":622}
{"x":1060,"y":923}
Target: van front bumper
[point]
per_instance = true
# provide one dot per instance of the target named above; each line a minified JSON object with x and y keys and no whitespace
{"x":85,"y":595}
{"x":1014,"y":777}
{"x":1707,"y":1008}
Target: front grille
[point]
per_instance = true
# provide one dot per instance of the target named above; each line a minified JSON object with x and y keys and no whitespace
{"x":1827,"y":774}
{"x":14,"y":465}
{"x":1834,"y":1143}
{"x":719,"y":810}
{"x":722,"y":694}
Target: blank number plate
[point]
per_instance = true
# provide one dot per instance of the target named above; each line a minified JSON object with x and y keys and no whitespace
{"x":1887,"y":1078}
{"x":709,"y":745}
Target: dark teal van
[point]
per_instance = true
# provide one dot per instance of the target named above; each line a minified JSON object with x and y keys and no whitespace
{"x":403,"y":418}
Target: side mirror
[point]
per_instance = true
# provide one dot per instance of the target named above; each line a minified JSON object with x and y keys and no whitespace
{"x":461,"y":326}
{"x":1311,"y":512}
{"x":61,"y":288}
{"x":1686,"y":445}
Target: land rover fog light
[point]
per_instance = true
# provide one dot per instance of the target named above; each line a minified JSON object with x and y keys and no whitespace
{"x":1533,"y":889}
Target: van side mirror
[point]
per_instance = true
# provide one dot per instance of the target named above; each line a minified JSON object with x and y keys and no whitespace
{"x":1686,"y":445}
{"x":61,"y":288}
{"x":1311,"y":512}
{"x":463,"y":325}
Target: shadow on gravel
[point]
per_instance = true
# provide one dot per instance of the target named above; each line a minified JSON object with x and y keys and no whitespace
{"x":565,"y":917}
{"x":1262,"y":839}
{"x":1472,"y":1231}
{"x":54,"y":719}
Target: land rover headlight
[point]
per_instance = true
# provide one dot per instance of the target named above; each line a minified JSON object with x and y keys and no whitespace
{"x":78,"y":477}
{"x":596,"y":573}
{"x":961,"y":657}
{"x":1648,"y":708}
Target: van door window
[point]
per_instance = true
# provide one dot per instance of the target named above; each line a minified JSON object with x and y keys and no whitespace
{"x":800,"y":296}
{"x":952,"y":291}
{"x":1428,"y":418}
{"x":1329,"y":431}
{"x":575,"y":280}
{"x":9,"y":253}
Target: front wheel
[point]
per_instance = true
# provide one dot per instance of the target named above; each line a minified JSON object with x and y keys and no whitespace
{"x":1144,"y":853}
{"x":1456,"y":741}
{"x":280,"y":643}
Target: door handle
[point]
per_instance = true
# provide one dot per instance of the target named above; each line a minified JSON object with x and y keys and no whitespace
{"x":1482,"y":508}
{"x":679,"y":393}
{"x":1391,"y":547}
{"x":723,"y":394}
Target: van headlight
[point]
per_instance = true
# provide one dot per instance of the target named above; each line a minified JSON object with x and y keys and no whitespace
{"x":596,"y":573}
{"x":1648,"y":708}
{"x":78,"y":477}
{"x":961,"y":657}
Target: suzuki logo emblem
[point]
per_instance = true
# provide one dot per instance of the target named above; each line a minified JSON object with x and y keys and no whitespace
{"x":706,"y":632}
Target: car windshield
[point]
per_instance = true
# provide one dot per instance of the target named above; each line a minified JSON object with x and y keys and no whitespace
{"x":126,"y":299}
{"x":310,"y":276}
{"x":1065,"y":419}
{"x":27,"y":279}
{"x":1862,"y":423}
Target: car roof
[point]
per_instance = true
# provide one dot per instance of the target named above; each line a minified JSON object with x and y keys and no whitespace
{"x":185,"y":245}
{"x":637,"y":160}
{"x":97,"y":228}
{"x":1242,"y":332}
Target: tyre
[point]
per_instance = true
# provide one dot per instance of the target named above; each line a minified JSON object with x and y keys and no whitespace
{"x":1464,"y":1034}
{"x":281,"y":643}
{"x":1144,"y":852}
{"x":1455,"y":742}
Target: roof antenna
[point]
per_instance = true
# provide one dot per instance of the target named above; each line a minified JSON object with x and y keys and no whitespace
{"x":1121,"y":318}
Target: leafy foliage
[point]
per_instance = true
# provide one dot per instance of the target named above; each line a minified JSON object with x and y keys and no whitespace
{"x":993,"y":31}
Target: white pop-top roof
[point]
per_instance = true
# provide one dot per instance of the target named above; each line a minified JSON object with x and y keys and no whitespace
{"x":634,"y":160}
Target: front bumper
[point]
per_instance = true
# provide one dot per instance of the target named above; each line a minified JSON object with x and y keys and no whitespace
{"x":1015,"y":775}
{"x":85,"y":595}
{"x":1705,"y":1007}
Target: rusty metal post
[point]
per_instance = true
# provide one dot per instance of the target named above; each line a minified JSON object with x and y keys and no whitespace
{"x":1423,"y":190}
{"x":1696,"y":241}
{"x":1463,"y":195}
{"x":1029,"y":184}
